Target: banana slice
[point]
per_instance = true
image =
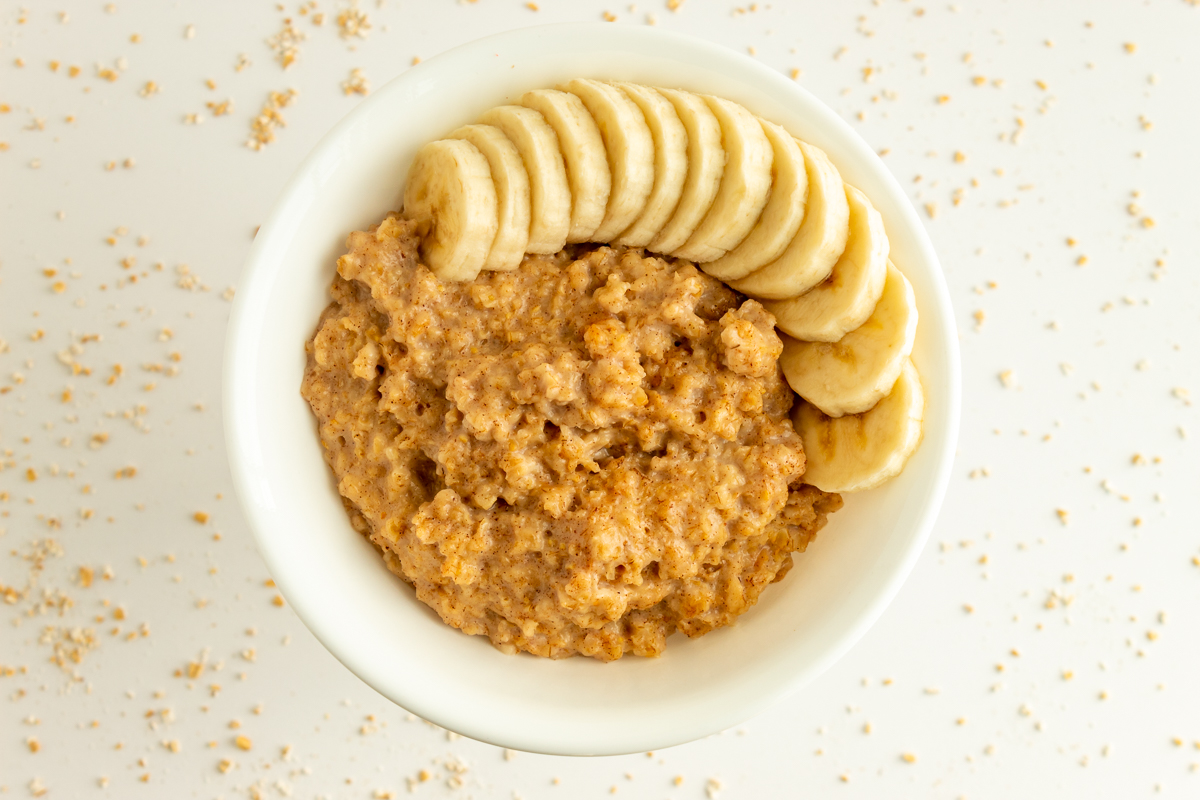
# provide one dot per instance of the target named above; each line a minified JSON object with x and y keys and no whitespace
{"x":630,"y":150}
{"x":706,"y":164}
{"x":549,"y":195}
{"x":844,"y":301}
{"x":745,"y":184}
{"x":852,"y":374}
{"x":861,"y":451}
{"x":449,"y":188}
{"x":512,"y":194}
{"x":583,"y":151}
{"x":780,"y":218}
{"x":670,"y":164}
{"x":810,"y":256}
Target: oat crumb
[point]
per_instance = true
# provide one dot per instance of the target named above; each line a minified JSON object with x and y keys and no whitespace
{"x":353,"y":22}
{"x":263,"y":127}
{"x":357,"y":83}
{"x":286,"y":43}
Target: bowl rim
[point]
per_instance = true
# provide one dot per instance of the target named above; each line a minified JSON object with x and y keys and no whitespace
{"x":240,"y":430}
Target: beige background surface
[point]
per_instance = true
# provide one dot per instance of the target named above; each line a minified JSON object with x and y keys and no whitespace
{"x":1046,"y":643}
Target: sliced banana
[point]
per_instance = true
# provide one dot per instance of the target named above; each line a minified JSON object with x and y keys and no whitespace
{"x":845,"y":300}
{"x":549,"y":195}
{"x":629,"y":148}
{"x":512,"y":194}
{"x":810,"y":256}
{"x":745,"y":184}
{"x":861,"y":451}
{"x":706,"y":164}
{"x":450,"y":191}
{"x":780,"y":218}
{"x":670,"y":164}
{"x":852,"y":374}
{"x":583,"y":154}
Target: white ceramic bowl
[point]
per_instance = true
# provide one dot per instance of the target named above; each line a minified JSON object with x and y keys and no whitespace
{"x":368,"y":618}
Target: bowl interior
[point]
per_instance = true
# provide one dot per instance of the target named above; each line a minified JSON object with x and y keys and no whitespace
{"x":371,"y":620}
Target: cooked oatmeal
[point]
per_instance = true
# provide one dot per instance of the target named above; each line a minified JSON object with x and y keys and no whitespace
{"x":583,"y":455}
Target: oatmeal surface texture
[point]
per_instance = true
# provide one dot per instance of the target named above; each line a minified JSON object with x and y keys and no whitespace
{"x":580,"y":456}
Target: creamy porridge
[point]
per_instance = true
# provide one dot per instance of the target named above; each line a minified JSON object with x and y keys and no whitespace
{"x":579,"y":456}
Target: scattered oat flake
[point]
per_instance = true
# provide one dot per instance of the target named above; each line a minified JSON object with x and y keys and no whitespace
{"x":353,"y":22}
{"x":357,"y":83}
{"x":262,"y":128}
{"x":286,"y":43}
